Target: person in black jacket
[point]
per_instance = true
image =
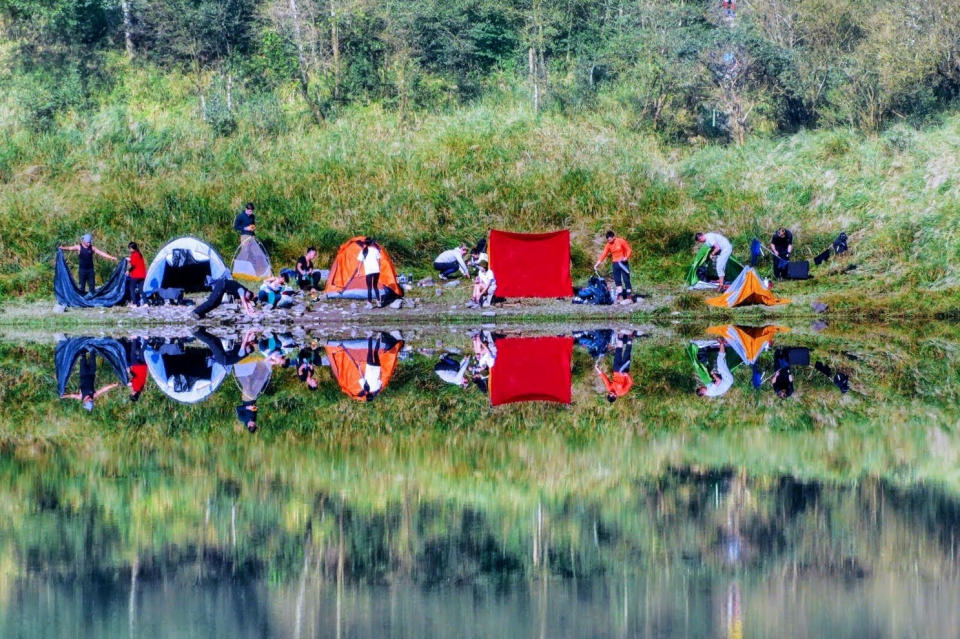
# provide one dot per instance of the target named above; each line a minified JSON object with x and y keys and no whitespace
{"x":781,"y":245}
{"x":85,"y":273}
{"x":246,"y":222}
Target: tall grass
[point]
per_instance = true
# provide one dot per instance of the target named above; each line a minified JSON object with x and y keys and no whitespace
{"x":145,"y":167}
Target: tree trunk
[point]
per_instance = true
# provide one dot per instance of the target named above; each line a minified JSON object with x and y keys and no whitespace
{"x":335,"y":49}
{"x":302,"y":65}
{"x":535,"y":84}
{"x":127,"y":26}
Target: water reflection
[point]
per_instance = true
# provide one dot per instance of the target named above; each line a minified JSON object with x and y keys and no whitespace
{"x":508,"y":367}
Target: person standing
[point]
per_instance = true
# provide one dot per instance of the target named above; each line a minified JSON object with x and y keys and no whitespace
{"x":85,"y":272}
{"x":619,"y":251}
{"x":721,"y":249}
{"x":246,"y":222}
{"x":136,"y":274}
{"x":781,"y":245}
{"x":369,"y":258}
{"x":449,"y":263}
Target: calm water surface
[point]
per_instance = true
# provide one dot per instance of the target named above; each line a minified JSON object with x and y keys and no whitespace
{"x":163,"y":516}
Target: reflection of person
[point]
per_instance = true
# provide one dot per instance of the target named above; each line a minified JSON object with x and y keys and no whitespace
{"x":227,"y":357}
{"x":87,"y":370}
{"x":722,"y":377}
{"x":246,"y":221}
{"x":485,"y":351}
{"x":137,"y":370}
{"x":369,"y":258}
{"x":247,"y":414}
{"x":619,"y":251}
{"x":721,"y":248}
{"x":782,"y":380}
{"x":372,"y":381}
{"x":85,"y":273}
{"x":453,"y":372}
{"x":620,"y":381}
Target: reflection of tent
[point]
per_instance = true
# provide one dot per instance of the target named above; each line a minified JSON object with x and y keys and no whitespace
{"x":68,"y":294}
{"x":187,"y":375}
{"x":709,"y":279}
{"x":252,"y":374}
{"x":251,"y":265}
{"x":748,"y":341}
{"x":746,"y":289}
{"x":184,"y":263}
{"x":531,"y":264}
{"x":348,"y":361}
{"x":531,"y":369}
{"x":68,"y":350}
{"x":346,"y":278}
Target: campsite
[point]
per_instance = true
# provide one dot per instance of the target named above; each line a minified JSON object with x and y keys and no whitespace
{"x":479,"y":318}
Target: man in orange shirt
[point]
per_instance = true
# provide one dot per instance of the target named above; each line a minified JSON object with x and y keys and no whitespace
{"x":619,"y":383}
{"x":619,"y":252}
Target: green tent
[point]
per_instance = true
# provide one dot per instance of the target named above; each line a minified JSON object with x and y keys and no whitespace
{"x":733,"y":268}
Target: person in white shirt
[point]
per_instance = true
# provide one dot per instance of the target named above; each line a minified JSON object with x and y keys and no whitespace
{"x":453,"y":372}
{"x":485,"y":351}
{"x":369,"y":258}
{"x":485,"y":285}
{"x":372,"y":380}
{"x":449,"y":263}
{"x":721,"y":248}
{"x":722,"y":377}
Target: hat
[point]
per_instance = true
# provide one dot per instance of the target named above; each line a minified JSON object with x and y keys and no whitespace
{"x":88,"y":405}
{"x":87,"y":238}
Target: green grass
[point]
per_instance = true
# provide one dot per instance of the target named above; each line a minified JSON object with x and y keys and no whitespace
{"x":146,"y":168}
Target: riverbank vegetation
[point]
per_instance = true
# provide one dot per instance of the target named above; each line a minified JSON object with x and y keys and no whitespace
{"x":421,"y":129}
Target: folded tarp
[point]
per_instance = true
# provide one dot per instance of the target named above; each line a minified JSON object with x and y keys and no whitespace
{"x":531,"y":369}
{"x":68,"y":350}
{"x":68,"y":293}
{"x":531,"y":264}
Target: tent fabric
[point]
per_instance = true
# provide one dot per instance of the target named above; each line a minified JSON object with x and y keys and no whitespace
{"x":746,"y":289}
{"x":346,"y":279}
{"x":69,"y":350}
{"x":532,"y":369}
{"x":749,"y":342}
{"x":68,"y":294}
{"x":531,"y":264}
{"x":186,"y":375}
{"x":348,"y":361}
{"x":252,"y":375}
{"x":734,"y":268}
{"x":251,"y":264}
{"x":184,"y":263}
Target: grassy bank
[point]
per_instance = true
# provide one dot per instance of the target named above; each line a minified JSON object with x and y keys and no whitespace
{"x":146,"y":168}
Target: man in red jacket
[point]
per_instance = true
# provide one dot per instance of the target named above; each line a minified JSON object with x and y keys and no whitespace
{"x":136,"y":274}
{"x":619,"y":252}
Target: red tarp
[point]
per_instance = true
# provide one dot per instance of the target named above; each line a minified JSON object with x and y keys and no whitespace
{"x":531,"y":264}
{"x":530,"y":369}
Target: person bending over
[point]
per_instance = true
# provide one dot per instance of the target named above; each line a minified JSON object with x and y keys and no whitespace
{"x":722,"y":377}
{"x":721,"y":249}
{"x":449,"y":263}
{"x":229,"y":286}
{"x":619,"y":251}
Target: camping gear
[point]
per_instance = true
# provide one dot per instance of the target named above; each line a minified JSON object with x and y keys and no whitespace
{"x":348,"y":361}
{"x":68,"y":293}
{"x":596,"y":292}
{"x":346,"y":279}
{"x":746,"y":289}
{"x":794,"y":355}
{"x":186,"y":374}
{"x":839,"y":379}
{"x":756,"y":252}
{"x":531,"y":264}
{"x":529,"y":369}
{"x":596,"y":341}
{"x":69,"y":350}
{"x":798,"y":270}
{"x":840,"y":244}
{"x":748,"y":342}
{"x":185,"y":263}
{"x":251,"y":264}
{"x":700,"y":369}
{"x":702,"y":273}
{"x":822,"y":257}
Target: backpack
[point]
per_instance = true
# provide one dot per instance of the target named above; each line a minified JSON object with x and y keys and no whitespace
{"x":756,"y":250}
{"x":840,"y":244}
{"x":596,"y":292}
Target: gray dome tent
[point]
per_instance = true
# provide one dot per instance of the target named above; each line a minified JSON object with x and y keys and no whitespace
{"x":185,"y":263}
{"x":187,"y":374}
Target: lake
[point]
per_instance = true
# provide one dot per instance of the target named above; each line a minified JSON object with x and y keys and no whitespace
{"x":665,"y":480}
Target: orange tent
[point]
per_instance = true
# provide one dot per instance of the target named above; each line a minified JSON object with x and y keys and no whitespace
{"x":747,"y":341}
{"x":346,"y":280}
{"x":746,"y":289}
{"x":348,"y":362}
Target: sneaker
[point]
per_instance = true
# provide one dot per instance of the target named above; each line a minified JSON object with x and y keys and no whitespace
{"x":368,"y":305}
{"x":442,"y":276}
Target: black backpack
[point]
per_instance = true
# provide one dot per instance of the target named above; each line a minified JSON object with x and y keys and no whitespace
{"x":840,"y":244}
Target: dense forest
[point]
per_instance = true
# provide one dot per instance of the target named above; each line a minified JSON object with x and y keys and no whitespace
{"x":682,"y":67}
